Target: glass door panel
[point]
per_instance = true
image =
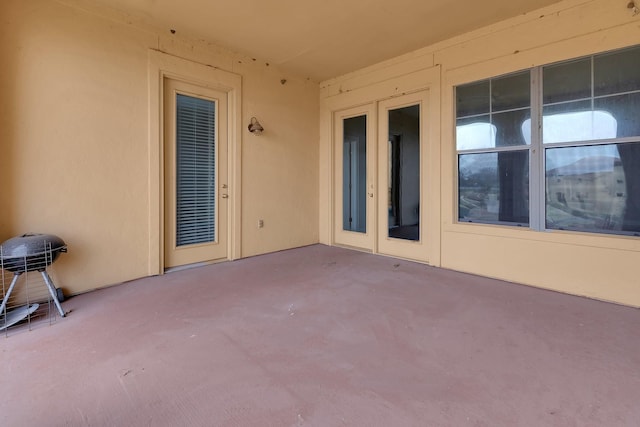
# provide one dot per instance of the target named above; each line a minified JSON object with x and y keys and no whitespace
{"x":404,"y":173}
{"x":354,"y":174}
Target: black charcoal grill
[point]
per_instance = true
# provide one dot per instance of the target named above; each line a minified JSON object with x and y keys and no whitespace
{"x":31,"y":252}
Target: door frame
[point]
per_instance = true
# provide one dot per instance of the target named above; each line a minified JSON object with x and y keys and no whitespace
{"x":161,"y":66}
{"x":385,"y":87}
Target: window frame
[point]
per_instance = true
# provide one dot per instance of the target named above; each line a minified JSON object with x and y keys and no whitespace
{"x":538,"y":149}
{"x":533,"y":187}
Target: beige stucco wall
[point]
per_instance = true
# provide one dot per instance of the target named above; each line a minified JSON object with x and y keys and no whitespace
{"x":74,"y":140}
{"x":598,"y":266}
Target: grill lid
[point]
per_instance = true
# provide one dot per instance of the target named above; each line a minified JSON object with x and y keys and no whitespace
{"x":32,"y":251}
{"x":32,"y":244}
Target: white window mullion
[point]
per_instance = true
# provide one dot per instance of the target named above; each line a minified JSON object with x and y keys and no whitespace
{"x":537,"y":168}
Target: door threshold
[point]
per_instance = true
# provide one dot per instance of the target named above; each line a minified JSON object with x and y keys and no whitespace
{"x":194,"y":265}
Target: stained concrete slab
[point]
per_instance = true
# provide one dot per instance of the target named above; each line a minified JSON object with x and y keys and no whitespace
{"x":322,"y":336}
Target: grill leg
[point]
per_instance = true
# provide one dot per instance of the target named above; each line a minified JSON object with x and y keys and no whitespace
{"x":52,"y":291}
{"x":6,"y":297}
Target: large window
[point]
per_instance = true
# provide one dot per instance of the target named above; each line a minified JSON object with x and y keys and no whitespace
{"x":579,"y":135}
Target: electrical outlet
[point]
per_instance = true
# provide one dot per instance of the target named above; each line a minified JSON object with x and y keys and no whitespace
{"x":260,"y":223}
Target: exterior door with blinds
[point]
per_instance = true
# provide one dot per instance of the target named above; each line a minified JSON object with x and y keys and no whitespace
{"x":195,"y":171}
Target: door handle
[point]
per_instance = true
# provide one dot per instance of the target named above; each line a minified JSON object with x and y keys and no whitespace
{"x":370,"y":194}
{"x":225,"y":196}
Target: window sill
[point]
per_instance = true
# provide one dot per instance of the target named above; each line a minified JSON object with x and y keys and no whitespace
{"x":562,"y":237}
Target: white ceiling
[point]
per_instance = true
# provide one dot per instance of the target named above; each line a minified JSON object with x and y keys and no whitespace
{"x":321,"y":39}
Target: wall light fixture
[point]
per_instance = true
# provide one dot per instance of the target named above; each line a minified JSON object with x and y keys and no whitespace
{"x":255,"y":127}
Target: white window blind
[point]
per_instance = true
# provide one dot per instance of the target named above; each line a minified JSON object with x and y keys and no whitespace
{"x":195,"y":170}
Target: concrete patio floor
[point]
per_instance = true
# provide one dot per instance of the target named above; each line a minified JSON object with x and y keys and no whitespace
{"x":322,"y":336}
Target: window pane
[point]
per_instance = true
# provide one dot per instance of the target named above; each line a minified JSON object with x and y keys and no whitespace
{"x":575,"y":121}
{"x":472,"y":99}
{"x":567,"y":81}
{"x":508,"y":128}
{"x":354,"y":174}
{"x":626,"y":111}
{"x":494,"y":187}
{"x":594,"y":188}
{"x":617,"y":72}
{"x":475,"y":133}
{"x":511,"y":92}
